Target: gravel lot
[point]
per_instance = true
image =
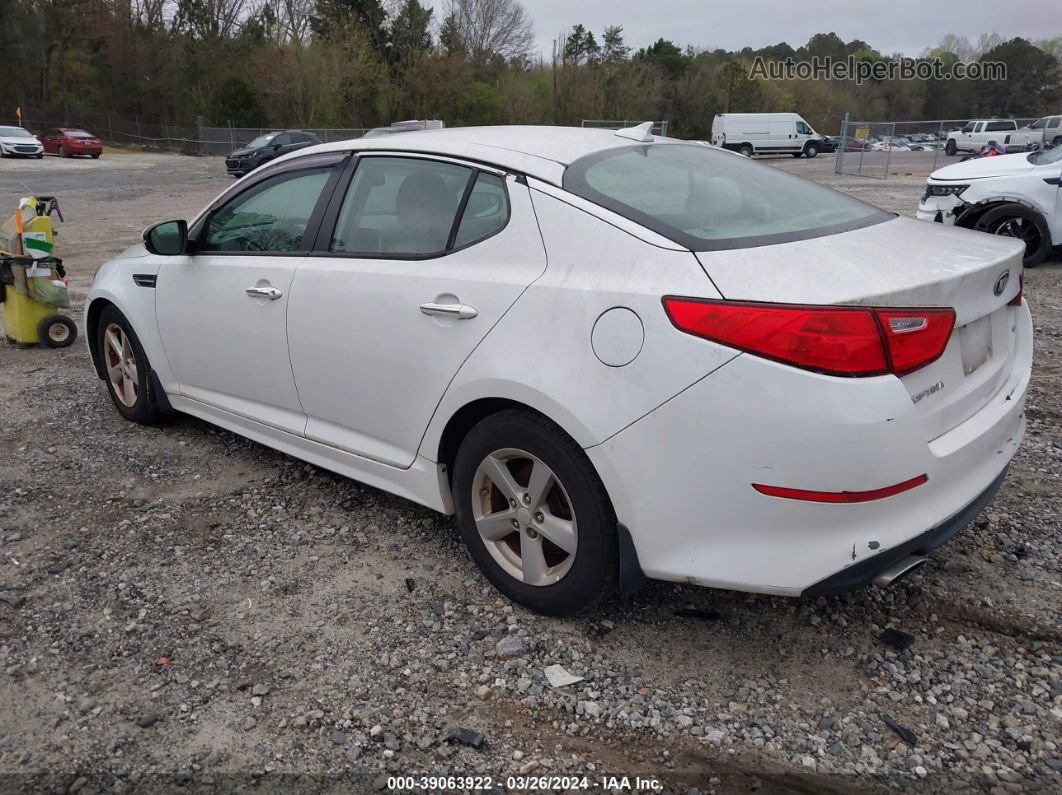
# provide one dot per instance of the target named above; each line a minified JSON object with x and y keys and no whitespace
{"x":179,"y":606}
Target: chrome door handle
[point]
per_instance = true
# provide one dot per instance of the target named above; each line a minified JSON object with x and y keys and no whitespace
{"x":272,"y":293}
{"x":460,"y":311}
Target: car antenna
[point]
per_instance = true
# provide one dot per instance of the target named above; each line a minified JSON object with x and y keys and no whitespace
{"x":642,"y":132}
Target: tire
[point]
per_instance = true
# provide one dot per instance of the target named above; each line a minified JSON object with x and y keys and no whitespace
{"x":798,"y":154}
{"x":138,"y":405}
{"x":61,"y":151}
{"x":39,"y":156}
{"x":1057,"y":140}
{"x":95,"y":157}
{"x":1016,"y":220}
{"x":56,"y":331}
{"x":950,"y":148}
{"x":747,"y":150}
{"x":576,"y":507}
{"x":811,"y":150}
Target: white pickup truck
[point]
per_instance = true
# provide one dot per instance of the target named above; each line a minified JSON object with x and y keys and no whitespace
{"x":978,"y":133}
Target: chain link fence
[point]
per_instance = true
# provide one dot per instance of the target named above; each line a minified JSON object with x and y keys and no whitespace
{"x":869,"y":149}
{"x":191,"y":139}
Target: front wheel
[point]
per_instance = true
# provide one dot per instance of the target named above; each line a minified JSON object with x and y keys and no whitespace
{"x":1016,"y":220}
{"x":534,"y":515}
{"x":126,"y":368}
{"x":811,"y":150}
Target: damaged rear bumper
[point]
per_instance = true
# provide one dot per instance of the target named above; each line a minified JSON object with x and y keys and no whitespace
{"x":864,"y":572}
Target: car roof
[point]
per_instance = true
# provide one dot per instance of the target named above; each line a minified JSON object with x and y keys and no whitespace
{"x":542,"y":152}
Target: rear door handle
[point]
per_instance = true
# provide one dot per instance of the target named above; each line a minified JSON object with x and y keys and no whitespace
{"x":272,"y":293}
{"x":459,"y":311}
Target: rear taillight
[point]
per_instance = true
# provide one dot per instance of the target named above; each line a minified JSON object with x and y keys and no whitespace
{"x":835,"y":340}
{"x":1016,"y":300}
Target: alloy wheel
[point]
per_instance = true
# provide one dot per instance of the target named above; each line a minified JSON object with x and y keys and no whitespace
{"x":121,"y":365}
{"x":1020,"y":228}
{"x":524,"y":517}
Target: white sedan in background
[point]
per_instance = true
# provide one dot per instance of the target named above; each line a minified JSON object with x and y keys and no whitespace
{"x":610,"y":356}
{"x":1008,"y":195}
{"x":19,"y":142}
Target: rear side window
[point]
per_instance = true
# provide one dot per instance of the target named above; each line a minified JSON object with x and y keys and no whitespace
{"x":413,"y":208}
{"x":997,"y":126}
{"x":486,"y":212}
{"x":708,"y":200}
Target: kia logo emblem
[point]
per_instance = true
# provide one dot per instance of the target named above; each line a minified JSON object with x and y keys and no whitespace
{"x":1001,"y":283}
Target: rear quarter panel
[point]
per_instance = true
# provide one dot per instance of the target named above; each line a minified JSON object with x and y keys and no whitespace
{"x":540,"y":352}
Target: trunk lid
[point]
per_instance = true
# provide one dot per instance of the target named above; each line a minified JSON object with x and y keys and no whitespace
{"x":900,"y":263}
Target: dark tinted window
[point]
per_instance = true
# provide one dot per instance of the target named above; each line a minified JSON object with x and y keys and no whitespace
{"x":400,"y":207}
{"x":282,"y":140}
{"x":1054,"y":122}
{"x":996,"y":126}
{"x":271,"y":216}
{"x":486,"y":213}
{"x":708,"y":199}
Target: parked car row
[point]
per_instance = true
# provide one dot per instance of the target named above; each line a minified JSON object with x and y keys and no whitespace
{"x":62,"y":141}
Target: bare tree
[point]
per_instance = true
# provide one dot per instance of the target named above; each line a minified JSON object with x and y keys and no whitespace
{"x":490,"y":29}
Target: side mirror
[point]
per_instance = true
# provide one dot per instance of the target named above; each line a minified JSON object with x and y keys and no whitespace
{"x":167,"y":239}
{"x":277,"y":147}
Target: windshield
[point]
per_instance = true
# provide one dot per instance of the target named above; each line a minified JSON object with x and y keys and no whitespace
{"x":15,"y":132}
{"x":261,"y":140}
{"x":1047,"y":156}
{"x":708,"y":199}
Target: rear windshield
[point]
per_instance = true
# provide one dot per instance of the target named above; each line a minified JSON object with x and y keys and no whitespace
{"x":78,"y":134}
{"x":707,"y":199}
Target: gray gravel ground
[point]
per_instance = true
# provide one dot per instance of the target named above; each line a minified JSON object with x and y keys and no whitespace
{"x":182,"y":607}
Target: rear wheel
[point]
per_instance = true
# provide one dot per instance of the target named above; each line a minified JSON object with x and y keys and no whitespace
{"x":1016,"y":220}
{"x":56,"y":331}
{"x":950,"y":148}
{"x":534,"y":515}
{"x":746,"y":149}
{"x":126,"y":368}
{"x":1057,"y":141}
{"x":62,"y":151}
{"x":95,"y":157}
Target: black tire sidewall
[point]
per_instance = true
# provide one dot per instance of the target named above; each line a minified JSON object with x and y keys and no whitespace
{"x":594,"y":570}
{"x":144,"y":410}
{"x":811,"y":151}
{"x":746,"y":150}
{"x":1032,"y":258}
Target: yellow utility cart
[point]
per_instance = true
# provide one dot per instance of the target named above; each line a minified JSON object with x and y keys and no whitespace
{"x":32,"y":280}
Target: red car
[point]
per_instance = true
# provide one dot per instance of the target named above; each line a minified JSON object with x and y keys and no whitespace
{"x":69,"y":141}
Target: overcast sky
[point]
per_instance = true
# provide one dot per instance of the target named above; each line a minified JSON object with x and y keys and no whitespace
{"x":907,"y":26}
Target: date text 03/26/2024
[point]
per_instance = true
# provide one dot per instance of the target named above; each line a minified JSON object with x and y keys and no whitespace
{"x":525,"y":783}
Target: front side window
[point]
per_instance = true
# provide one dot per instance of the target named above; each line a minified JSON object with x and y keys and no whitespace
{"x":706,"y":199}
{"x":1054,"y":122}
{"x":271,"y":216}
{"x":803,"y":129}
{"x":401,"y":207}
{"x":969,"y":128}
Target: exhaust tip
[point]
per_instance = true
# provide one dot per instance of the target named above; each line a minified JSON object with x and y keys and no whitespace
{"x":898,"y":570}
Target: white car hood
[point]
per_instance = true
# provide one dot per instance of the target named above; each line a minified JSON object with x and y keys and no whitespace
{"x":12,"y":141}
{"x":983,"y":167}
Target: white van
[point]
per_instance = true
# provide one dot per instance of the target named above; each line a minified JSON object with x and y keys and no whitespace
{"x":766,"y":133}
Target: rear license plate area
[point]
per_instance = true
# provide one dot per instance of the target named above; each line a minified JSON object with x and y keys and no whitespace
{"x":975,"y":342}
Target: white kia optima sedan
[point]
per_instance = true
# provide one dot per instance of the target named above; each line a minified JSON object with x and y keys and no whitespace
{"x":612,"y":357}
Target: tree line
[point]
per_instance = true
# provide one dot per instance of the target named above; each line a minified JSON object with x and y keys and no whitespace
{"x":361,"y":63}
